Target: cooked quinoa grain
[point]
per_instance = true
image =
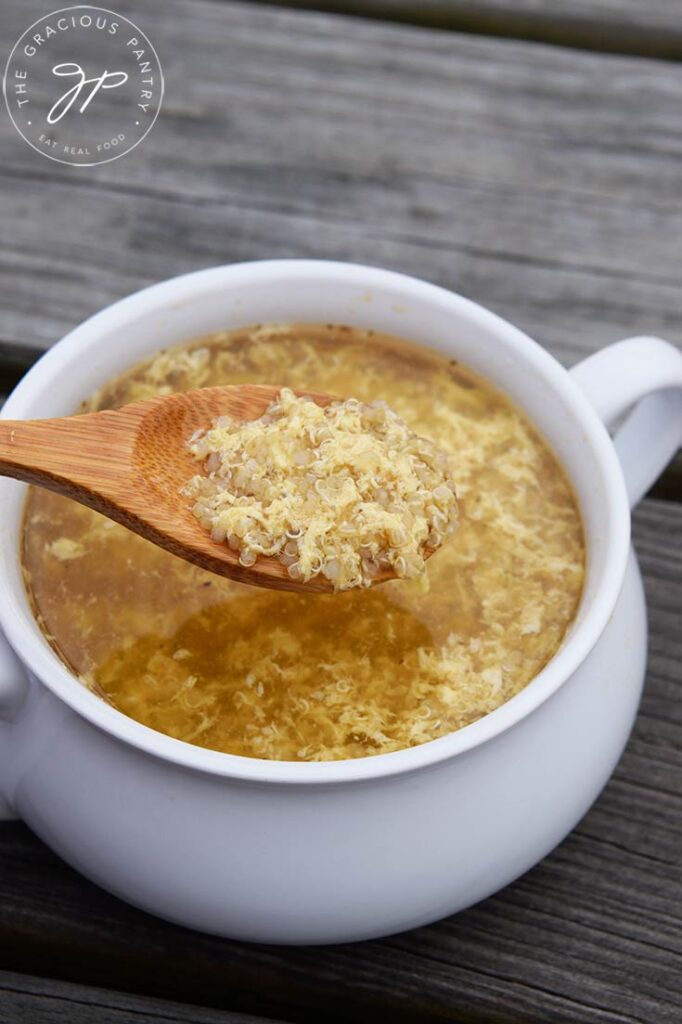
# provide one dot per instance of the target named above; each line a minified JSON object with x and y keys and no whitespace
{"x":343,"y":491}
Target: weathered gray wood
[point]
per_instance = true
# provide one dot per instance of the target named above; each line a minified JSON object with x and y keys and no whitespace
{"x":29,"y":1000}
{"x":593,"y":934}
{"x":543,"y":183}
{"x":662,"y":14}
{"x":652,"y":27}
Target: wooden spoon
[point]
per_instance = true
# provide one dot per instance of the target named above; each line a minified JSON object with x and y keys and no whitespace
{"x":130,"y":465}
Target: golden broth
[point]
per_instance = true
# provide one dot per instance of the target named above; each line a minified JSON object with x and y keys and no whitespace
{"x":321,"y":677}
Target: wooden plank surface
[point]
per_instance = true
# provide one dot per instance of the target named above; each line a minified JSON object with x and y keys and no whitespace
{"x":542,"y":183}
{"x":25,"y":999}
{"x":651,"y":28}
{"x":664,"y":14}
{"x":592,"y":934}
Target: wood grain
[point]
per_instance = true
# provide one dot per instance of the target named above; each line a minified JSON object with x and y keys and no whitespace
{"x":132,"y":463}
{"x":29,"y":1000}
{"x":652,"y":28}
{"x":592,"y":935}
{"x":543,"y":183}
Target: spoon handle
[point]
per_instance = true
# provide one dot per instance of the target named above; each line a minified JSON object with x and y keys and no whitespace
{"x":76,"y":456}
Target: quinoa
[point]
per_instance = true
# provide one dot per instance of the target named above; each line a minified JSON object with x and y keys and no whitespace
{"x":347,"y":491}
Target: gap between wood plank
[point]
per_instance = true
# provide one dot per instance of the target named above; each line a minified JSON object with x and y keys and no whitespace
{"x":278,"y":206}
{"x":39,"y":1000}
{"x":16,"y":360}
{"x":540,"y":26}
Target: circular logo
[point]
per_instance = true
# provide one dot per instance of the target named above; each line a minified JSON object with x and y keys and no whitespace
{"x":83,"y":85}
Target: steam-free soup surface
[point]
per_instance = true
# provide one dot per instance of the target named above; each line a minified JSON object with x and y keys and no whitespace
{"x":321,"y":677}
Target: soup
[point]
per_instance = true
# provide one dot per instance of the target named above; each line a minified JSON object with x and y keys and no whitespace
{"x":295,"y":676}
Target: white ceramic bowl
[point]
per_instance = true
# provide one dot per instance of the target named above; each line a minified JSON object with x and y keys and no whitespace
{"x":338,"y":851}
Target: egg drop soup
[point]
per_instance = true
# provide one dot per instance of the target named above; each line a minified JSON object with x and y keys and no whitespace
{"x":312,"y":677}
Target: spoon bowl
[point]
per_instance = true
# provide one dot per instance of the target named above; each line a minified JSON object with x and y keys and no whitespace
{"x":130,"y":464}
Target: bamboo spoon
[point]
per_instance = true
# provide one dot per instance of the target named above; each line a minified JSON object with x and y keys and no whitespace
{"x":130,"y":465}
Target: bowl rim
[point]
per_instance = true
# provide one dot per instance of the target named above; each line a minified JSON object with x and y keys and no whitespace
{"x":20,"y":626}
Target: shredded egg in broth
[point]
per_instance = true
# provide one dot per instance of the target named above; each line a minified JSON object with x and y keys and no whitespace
{"x":297,"y":676}
{"x":343,"y":491}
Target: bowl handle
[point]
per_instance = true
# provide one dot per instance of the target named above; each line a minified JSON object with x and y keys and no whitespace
{"x":646,"y":373}
{"x":13,"y":690}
